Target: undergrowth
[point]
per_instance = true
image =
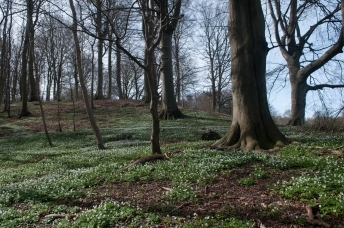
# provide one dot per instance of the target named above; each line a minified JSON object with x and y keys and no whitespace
{"x":36,"y":180}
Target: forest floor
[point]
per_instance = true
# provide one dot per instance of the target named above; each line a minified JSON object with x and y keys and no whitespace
{"x":74,"y":185}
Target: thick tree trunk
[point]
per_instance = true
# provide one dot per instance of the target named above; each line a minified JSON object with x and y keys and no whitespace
{"x":252,"y":126}
{"x":170,"y":108}
{"x":82,"y":83}
{"x":299,"y":91}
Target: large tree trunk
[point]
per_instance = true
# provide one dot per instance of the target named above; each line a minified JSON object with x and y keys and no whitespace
{"x":170,"y":108}
{"x":299,"y":89}
{"x":252,"y":126}
{"x":81,"y":78}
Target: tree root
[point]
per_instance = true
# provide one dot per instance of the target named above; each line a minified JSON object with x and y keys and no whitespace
{"x":151,"y":158}
{"x":311,"y":211}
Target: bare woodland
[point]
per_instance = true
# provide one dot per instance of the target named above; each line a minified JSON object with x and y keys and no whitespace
{"x":173,"y":52}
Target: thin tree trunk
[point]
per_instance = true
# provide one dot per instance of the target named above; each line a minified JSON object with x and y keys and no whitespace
{"x":109,"y":95}
{"x":31,"y":31}
{"x":118,"y":73}
{"x":41,"y":106}
{"x":23,"y":79}
{"x":82,"y":83}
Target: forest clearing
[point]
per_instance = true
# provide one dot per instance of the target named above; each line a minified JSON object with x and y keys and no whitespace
{"x":73,"y":184}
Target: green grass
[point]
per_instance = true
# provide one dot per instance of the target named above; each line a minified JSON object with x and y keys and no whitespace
{"x":36,"y":180}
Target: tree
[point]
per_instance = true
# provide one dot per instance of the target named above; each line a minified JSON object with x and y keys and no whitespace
{"x":252,"y":127}
{"x":297,"y":44}
{"x":81,"y":79}
{"x":168,"y":24}
{"x":215,"y":40}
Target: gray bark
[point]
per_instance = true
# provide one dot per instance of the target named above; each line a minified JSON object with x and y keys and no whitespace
{"x":252,"y":127}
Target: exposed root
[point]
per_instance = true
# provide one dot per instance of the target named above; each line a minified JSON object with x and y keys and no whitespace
{"x":171,"y":114}
{"x":312,"y":211}
{"x":151,"y":158}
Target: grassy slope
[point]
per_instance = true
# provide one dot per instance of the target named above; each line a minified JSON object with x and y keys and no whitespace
{"x":37,"y":182}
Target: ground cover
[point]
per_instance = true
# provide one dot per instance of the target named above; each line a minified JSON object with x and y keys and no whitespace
{"x":75,"y":185}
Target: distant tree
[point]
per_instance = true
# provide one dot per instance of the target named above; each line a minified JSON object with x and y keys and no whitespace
{"x":215,"y":42}
{"x":81,"y":79}
{"x":296,"y":36}
{"x":252,"y":127}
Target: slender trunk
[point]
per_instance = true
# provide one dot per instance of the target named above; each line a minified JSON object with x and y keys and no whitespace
{"x":31,"y":32}
{"x":146,"y":90}
{"x":177,"y":66}
{"x":92,"y":77}
{"x":99,"y":94}
{"x":153,"y":85}
{"x":213,"y":86}
{"x":110,"y":70}
{"x":82,"y":83}
{"x":118,"y":73}
{"x":41,"y":105}
{"x":23,"y":79}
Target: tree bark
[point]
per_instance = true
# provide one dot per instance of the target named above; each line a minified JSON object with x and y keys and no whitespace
{"x":23,"y":79}
{"x":81,"y":79}
{"x":100,"y":94}
{"x":252,"y":127}
{"x":170,"y":108}
{"x":118,"y":73}
{"x":31,"y":31}
{"x":109,"y":95}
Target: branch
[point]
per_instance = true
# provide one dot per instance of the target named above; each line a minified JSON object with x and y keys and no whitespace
{"x":321,"y":86}
{"x":327,"y":56}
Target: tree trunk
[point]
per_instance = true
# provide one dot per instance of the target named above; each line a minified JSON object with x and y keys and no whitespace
{"x":100,"y":94}
{"x":252,"y":126}
{"x":299,"y":91}
{"x":23,"y":79}
{"x":153,"y":85}
{"x":146,"y":90}
{"x":118,"y":73}
{"x":31,"y":31}
{"x":170,"y":108}
{"x":110,"y":69}
{"x":81,"y":78}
